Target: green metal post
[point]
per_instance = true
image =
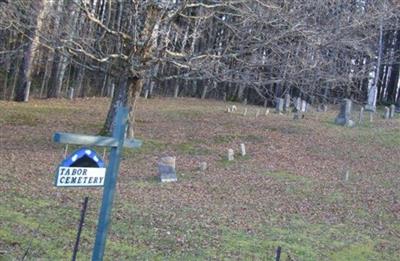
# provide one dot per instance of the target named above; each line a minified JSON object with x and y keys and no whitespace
{"x":109,"y":184}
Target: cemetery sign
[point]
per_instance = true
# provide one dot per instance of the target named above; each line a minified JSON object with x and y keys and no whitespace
{"x":83,"y":168}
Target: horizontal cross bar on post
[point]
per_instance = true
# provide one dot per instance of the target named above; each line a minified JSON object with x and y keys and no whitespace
{"x":78,"y":139}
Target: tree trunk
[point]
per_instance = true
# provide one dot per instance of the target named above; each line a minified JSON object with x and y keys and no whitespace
{"x":393,"y":77}
{"x":118,"y":97}
{"x":26,"y":67}
{"x":6,"y":76}
{"x":373,"y":92}
{"x":135,"y":81}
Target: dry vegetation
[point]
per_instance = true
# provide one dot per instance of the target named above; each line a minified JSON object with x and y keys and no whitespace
{"x":289,"y":191}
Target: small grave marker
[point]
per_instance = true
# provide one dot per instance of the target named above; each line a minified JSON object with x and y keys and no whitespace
{"x":303,"y":106}
{"x":231,"y":155}
{"x":347,"y":175}
{"x":361,"y":116}
{"x":279,"y":105}
{"x":386,"y":114}
{"x":166,"y":168}
{"x":392,"y":111}
{"x":344,"y":117}
{"x":71,"y":93}
{"x":242,"y":149}
{"x":203,"y":166}
{"x":297,"y":105}
{"x":287,"y":102}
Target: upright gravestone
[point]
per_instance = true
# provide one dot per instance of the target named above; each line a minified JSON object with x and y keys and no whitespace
{"x":344,"y":117}
{"x":303,"y":106}
{"x":242,"y":149}
{"x":166,"y":168}
{"x":245,"y":102}
{"x":287,"y":102}
{"x":71,"y":93}
{"x":297,"y":104}
{"x":245,"y":112}
{"x":279,"y":105}
{"x":386,"y":114}
{"x":392,"y":111}
{"x":231,"y":155}
{"x":361,"y":116}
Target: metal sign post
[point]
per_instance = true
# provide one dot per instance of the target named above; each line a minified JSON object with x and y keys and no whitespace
{"x":117,"y":142}
{"x":110,"y":183}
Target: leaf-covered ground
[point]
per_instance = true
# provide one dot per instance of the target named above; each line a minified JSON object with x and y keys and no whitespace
{"x":289,"y":191}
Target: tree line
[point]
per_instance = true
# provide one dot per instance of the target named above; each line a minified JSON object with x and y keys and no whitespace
{"x":254,"y":50}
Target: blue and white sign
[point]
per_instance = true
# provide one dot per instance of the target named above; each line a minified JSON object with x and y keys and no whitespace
{"x":83,"y":168}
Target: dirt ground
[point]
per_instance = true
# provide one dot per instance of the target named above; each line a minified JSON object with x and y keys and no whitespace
{"x":290,"y":190}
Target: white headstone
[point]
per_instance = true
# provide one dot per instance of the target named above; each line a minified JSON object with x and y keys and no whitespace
{"x":71,"y":93}
{"x":303,"y":106}
{"x":231,"y":155}
{"x":245,"y":112}
{"x":287,"y":103}
{"x":386,"y":114}
{"x":266,"y":112}
{"x":297,"y":105}
{"x":203,"y":166}
{"x":242,"y":149}
{"x":392,"y":111}
{"x":361,"y":116}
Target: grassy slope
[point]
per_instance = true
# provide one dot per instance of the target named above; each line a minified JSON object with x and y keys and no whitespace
{"x":289,"y":191}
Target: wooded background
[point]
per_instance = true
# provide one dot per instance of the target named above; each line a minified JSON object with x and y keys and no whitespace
{"x":258,"y":50}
